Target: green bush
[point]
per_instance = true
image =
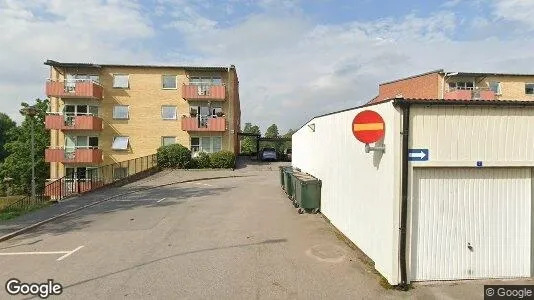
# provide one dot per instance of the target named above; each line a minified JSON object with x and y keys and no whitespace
{"x":222,"y":159}
{"x":174,"y":156}
{"x":203,"y":160}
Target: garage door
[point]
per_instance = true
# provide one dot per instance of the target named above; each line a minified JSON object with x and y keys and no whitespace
{"x":470,"y":223}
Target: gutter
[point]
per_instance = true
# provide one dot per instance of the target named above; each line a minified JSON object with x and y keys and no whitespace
{"x":404,"y":191}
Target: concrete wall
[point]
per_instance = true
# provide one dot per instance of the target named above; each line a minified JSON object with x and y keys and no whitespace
{"x":360,"y":191}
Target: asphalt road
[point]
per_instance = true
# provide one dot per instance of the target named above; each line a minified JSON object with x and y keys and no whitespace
{"x":237,"y":238}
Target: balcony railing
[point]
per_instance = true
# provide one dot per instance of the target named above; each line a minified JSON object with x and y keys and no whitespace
{"x":88,"y":155}
{"x":204,"y":92}
{"x":470,"y":94}
{"x":87,"y":122}
{"x":74,"y":89}
{"x":217,"y":124}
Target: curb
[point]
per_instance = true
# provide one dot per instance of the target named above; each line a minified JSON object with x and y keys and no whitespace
{"x":32,"y":226}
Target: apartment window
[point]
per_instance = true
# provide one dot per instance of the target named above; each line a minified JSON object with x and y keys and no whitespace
{"x":168,"y":112}
{"x":121,"y":81}
{"x":495,"y":86}
{"x":121,"y":112}
{"x":207,"y":144}
{"x":120,"y":143}
{"x":81,"y":141}
{"x":169,"y":82}
{"x":461,"y":85}
{"x":529,"y":88}
{"x":80,"y":110}
{"x":168,"y":140}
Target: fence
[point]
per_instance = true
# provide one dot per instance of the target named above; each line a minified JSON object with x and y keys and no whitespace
{"x":82,"y":180}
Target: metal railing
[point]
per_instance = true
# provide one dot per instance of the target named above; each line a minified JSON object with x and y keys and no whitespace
{"x":84,"y":180}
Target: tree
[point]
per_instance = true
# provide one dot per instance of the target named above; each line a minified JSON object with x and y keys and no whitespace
{"x":6,"y":124}
{"x":272,"y":132}
{"x":288,"y":135}
{"x":248,"y":143}
{"x":17,"y":164}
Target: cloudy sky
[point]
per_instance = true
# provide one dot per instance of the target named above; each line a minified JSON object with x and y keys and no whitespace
{"x":295,"y":59}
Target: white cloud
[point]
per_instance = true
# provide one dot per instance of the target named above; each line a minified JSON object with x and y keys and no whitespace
{"x":515,"y":10}
{"x":64,"y":30}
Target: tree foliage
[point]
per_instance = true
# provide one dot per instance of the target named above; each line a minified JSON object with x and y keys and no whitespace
{"x":248,"y":143}
{"x":17,"y":164}
{"x":6,"y":125}
{"x":288,"y":135}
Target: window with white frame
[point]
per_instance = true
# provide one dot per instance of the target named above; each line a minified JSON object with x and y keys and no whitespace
{"x":529,"y":88}
{"x":495,"y":86}
{"x":204,"y":83}
{"x":209,"y":144}
{"x":120,"y":143}
{"x":168,"y":112}
{"x":461,"y":85}
{"x":121,"y":81}
{"x":168,"y":82}
{"x":168,"y":140}
{"x":121,"y":112}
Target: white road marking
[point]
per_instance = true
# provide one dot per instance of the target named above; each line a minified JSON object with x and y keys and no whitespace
{"x":204,"y":184}
{"x":161,"y":200}
{"x":65,"y":253}
{"x":68,"y":254}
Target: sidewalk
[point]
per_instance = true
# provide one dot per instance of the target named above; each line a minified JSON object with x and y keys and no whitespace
{"x":161,"y":178}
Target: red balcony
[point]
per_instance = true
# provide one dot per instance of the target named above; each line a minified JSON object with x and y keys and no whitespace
{"x":78,"y":89}
{"x":87,"y":156}
{"x":199,"y":92}
{"x":213,"y":124}
{"x":470,"y":95}
{"x":87,"y":122}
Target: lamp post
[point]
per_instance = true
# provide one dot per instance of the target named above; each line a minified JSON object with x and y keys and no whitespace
{"x":31,"y":111}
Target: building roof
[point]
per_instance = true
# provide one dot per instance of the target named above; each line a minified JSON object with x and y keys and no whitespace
{"x":428,"y":102}
{"x":440,"y":71}
{"x":54,"y":63}
{"x":475,"y":74}
{"x":461,"y":102}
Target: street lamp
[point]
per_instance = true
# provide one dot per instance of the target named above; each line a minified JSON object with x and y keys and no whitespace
{"x":31,"y":111}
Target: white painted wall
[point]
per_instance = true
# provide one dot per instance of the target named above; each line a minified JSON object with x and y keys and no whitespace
{"x":460,"y":136}
{"x":360,"y":192}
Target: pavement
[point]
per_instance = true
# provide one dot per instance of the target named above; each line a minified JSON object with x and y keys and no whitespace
{"x":230,"y":238}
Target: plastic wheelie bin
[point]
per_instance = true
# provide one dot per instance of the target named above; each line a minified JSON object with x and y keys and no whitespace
{"x":307,"y":191}
{"x":288,"y":186}
{"x":282,"y":176}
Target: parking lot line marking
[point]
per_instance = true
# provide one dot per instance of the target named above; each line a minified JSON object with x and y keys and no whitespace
{"x":161,"y":200}
{"x":33,"y":253}
{"x":65,"y":253}
{"x":68,"y":254}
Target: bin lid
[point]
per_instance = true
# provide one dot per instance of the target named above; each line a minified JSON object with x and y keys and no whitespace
{"x":304,"y":177}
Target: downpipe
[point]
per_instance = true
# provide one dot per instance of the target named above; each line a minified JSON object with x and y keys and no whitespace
{"x":404,"y":191}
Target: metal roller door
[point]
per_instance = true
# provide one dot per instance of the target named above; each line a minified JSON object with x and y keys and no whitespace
{"x":470,"y":223}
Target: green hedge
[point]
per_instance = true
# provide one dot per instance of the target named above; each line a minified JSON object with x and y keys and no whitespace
{"x":203,"y":160}
{"x":222,"y":159}
{"x":174,"y":156}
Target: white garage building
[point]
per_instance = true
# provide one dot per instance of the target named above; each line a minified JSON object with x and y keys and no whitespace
{"x":451,"y":196}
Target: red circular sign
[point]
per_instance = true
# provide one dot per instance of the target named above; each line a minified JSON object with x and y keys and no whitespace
{"x":368,"y":127}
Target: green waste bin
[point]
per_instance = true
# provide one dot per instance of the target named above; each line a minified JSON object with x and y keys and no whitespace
{"x":288,"y":186}
{"x":307,"y":191}
{"x":282,"y":169}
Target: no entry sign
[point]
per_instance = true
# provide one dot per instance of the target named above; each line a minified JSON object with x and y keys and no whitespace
{"x":368,"y":127}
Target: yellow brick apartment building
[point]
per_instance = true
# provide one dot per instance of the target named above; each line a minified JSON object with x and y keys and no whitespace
{"x":103,"y":114}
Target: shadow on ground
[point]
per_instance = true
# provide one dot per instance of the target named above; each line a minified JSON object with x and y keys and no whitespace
{"x":251,"y":163}
{"x":174,"y":195}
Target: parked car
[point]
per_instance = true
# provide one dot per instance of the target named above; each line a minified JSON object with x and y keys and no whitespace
{"x":287,"y":153}
{"x":268,"y":154}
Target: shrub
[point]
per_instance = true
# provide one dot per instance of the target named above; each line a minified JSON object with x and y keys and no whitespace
{"x":174,"y":156}
{"x":222,"y":159}
{"x":203,"y":160}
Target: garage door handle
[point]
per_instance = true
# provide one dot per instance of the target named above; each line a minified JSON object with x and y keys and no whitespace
{"x":469,"y":247}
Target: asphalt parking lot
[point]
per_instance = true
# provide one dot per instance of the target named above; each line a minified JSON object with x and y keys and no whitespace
{"x":232,"y":238}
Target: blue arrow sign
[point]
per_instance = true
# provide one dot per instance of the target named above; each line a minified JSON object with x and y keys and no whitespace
{"x":417,"y":154}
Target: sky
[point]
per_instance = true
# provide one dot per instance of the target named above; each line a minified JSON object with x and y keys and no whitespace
{"x":295,"y":59}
